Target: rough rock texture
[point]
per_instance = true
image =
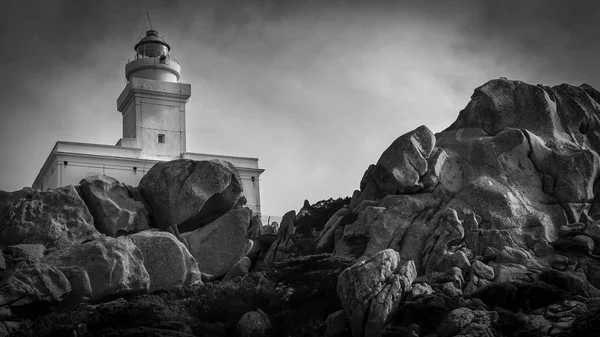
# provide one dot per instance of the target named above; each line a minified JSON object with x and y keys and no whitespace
{"x":56,"y":218}
{"x":372,"y":290}
{"x":102,"y":267}
{"x":115,"y":212}
{"x":30,"y":282}
{"x":167,"y":261}
{"x":190,"y":194}
{"x":253,"y":324}
{"x":513,"y":180}
{"x":283,"y":248}
{"x":218,"y":246}
{"x":26,"y":251}
{"x":401,"y":166}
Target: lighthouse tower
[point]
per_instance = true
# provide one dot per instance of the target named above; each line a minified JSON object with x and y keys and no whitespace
{"x":153,"y":101}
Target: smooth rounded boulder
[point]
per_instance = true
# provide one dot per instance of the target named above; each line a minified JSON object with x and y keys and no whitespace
{"x":56,"y":218}
{"x":218,"y":246}
{"x":115,"y":212}
{"x":190,"y":194}
{"x":167,"y":261}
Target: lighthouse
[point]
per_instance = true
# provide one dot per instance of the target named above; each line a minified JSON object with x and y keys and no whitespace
{"x":153,"y":101}
{"x":152,"y":106}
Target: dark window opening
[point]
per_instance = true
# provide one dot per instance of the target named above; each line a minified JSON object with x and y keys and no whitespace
{"x":161,"y":138}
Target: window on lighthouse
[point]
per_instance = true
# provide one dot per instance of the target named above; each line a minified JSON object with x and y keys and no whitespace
{"x":161,"y":138}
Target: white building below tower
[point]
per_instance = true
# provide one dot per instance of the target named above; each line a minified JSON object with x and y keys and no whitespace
{"x":153,"y":108}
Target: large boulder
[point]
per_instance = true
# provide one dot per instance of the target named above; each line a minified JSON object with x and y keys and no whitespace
{"x":401,"y":166}
{"x":218,"y":246}
{"x":115,"y":212}
{"x":190,"y":194}
{"x":371,"y":291}
{"x":30,"y":282}
{"x":56,"y":218}
{"x":167,"y":261}
{"x":102,"y":267}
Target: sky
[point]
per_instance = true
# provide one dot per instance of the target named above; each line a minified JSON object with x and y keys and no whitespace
{"x":316,"y":89}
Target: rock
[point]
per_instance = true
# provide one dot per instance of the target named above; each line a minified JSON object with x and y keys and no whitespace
{"x":168,"y":262}
{"x":26,"y":251}
{"x":239,"y":269}
{"x":326,"y":238}
{"x":579,"y":243}
{"x":450,"y":229}
{"x":401,"y":165}
{"x":102,"y":267}
{"x":283,"y":248}
{"x":190,"y":194}
{"x":451,"y":290}
{"x":372,"y":290}
{"x":114,"y":211}
{"x":337,"y":324}
{"x":268,"y":230}
{"x":482,"y":270}
{"x":218,"y":246}
{"x":56,"y":218}
{"x":3,"y":330}
{"x":420,"y":289}
{"x":6,"y":198}
{"x":457,"y":320}
{"x":254,"y":229}
{"x":3,"y":264}
{"x":30,"y":282}
{"x":11,"y":326}
{"x":253,"y":324}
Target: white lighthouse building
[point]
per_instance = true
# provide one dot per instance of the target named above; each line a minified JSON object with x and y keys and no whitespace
{"x":153,"y":108}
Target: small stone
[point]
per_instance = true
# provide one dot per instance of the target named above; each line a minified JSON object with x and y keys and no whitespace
{"x":483,"y":270}
{"x":460,"y":260}
{"x":420,"y":289}
{"x":5,"y":313}
{"x":253,"y":324}
{"x":543,"y":249}
{"x":456,"y":320}
{"x":450,"y":289}
{"x":337,"y":324}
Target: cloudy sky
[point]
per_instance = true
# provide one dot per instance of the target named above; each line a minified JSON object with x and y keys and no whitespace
{"x":316,"y":89}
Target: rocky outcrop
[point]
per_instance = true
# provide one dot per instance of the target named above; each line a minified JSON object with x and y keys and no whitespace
{"x":218,"y":246}
{"x":167,"y":261}
{"x":190,"y":194}
{"x":102,"y":267}
{"x":56,"y":218}
{"x":372,"y":290}
{"x":115,"y":212}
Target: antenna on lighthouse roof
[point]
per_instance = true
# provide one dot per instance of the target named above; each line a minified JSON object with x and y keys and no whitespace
{"x":150,"y":22}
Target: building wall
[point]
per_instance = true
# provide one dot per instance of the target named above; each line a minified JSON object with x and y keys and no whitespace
{"x":161,"y":117}
{"x":84,"y":164}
